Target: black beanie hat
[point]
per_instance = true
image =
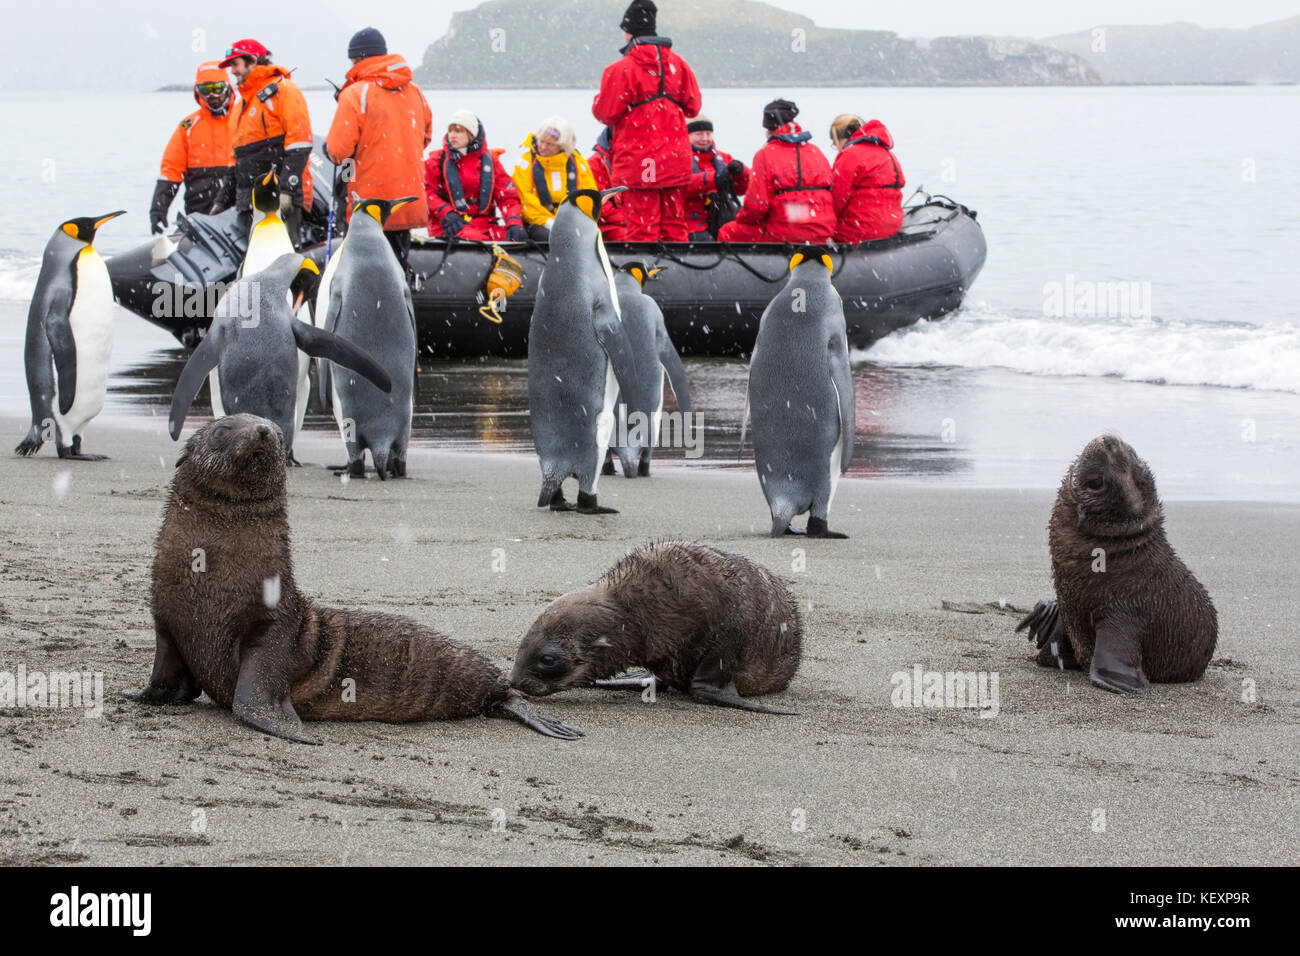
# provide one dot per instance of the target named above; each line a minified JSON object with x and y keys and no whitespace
{"x":639,"y":20}
{"x":698,"y":124}
{"x":778,"y":113}
{"x":367,"y":42}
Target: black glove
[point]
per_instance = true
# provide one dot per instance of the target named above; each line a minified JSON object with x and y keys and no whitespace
{"x":291,"y":173}
{"x":735,"y":168}
{"x":163,"y":194}
{"x":516,"y":234}
{"x":722,"y":179}
{"x":452,"y":224}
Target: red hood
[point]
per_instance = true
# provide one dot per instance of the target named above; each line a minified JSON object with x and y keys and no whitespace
{"x":877,"y":129}
{"x":389,"y":71}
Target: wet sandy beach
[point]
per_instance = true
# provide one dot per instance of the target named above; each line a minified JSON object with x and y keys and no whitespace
{"x":1194,"y":774}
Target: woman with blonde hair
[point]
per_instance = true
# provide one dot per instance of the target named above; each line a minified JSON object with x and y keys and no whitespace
{"x":867,"y":181}
{"x":549,"y":169}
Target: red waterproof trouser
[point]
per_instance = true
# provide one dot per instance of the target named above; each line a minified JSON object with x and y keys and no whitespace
{"x":652,"y":214}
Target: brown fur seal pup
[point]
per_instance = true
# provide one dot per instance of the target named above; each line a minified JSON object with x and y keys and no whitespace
{"x":712,"y":624}
{"x":231,"y":621}
{"x":1144,"y":617}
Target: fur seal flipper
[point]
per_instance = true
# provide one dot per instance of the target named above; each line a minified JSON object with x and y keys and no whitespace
{"x":704,"y":622}
{"x":1127,"y":609}
{"x":230,"y":620}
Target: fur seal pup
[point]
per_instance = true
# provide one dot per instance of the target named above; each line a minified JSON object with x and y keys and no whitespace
{"x":579,"y":356}
{"x":253,"y":348}
{"x":229,"y":618}
{"x":714,"y":625}
{"x":69,"y":338}
{"x":801,"y":397}
{"x":1139,"y":617}
{"x":639,"y":412}
{"x":366,"y":299}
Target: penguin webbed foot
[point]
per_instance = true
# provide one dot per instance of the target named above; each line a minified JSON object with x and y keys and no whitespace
{"x":817,"y":529}
{"x":608,"y":467}
{"x":587,"y":506}
{"x":76,"y":454}
{"x":559,"y":503}
{"x":515,"y":708}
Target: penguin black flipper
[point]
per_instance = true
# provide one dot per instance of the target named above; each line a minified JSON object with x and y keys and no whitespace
{"x":613,"y":339}
{"x":842,"y":379}
{"x":672,"y":363}
{"x":329,"y":323}
{"x":326,"y":345}
{"x":58,"y":332}
{"x":205,"y":357}
{"x":1117,"y":656}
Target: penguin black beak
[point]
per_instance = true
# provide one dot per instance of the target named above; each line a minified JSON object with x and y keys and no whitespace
{"x":112,"y":215}
{"x":612,"y":191}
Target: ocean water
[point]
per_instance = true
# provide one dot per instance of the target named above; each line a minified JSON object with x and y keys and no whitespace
{"x":1141,"y":276}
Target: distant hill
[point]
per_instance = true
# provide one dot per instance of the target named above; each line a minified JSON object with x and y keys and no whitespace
{"x":1186,"y":53}
{"x":567,"y":43}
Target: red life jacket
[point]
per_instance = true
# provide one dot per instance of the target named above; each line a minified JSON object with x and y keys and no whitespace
{"x":868,"y":186}
{"x":646,"y":97}
{"x":789,"y":193}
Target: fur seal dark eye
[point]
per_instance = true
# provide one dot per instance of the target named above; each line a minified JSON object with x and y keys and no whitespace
{"x":1094,"y":484}
{"x":547,"y":660}
{"x":221,"y":431}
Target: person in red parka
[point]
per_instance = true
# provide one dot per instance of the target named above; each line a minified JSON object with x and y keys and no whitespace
{"x":789,"y":198}
{"x":646,"y":97}
{"x":711,"y":169}
{"x":868,"y":182}
{"x":600,"y":159}
{"x":468,"y":189}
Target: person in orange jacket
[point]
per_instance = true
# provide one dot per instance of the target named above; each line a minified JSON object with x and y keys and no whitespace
{"x":382,"y":124}
{"x":271,"y":130}
{"x":468,"y":188}
{"x":199,"y":152}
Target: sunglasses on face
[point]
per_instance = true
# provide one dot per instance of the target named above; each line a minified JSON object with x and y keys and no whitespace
{"x":211,"y":89}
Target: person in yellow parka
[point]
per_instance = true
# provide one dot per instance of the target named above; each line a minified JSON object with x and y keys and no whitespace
{"x":549,"y":169}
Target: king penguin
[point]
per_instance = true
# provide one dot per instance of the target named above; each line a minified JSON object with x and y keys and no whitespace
{"x":365,"y":299}
{"x":69,"y":338}
{"x":579,"y":355}
{"x":268,"y":240}
{"x":801,"y":397}
{"x":253,"y":343}
{"x":639,"y":414}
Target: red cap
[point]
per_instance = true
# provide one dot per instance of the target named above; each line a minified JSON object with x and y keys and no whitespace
{"x":243,"y":48}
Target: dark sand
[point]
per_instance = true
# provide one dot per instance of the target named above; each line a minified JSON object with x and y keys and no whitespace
{"x":1190,"y":775}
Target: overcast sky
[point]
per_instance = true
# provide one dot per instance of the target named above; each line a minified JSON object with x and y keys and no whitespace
{"x":130,"y":44}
